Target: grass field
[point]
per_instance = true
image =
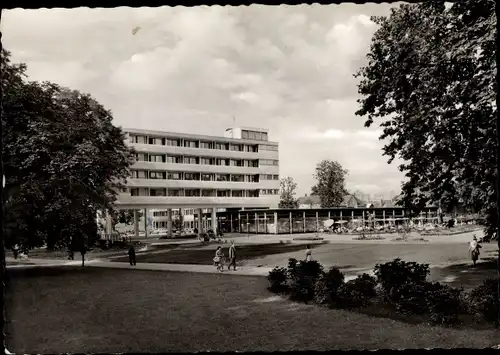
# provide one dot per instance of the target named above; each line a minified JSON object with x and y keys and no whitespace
{"x":205,"y":255}
{"x":362,"y":255}
{"x":465,"y":275}
{"x":342,"y":255}
{"x":76,"y":309}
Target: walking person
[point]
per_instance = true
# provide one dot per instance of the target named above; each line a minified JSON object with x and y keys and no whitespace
{"x":71,"y":246}
{"x":218,"y":262}
{"x":232,"y":256}
{"x":474,"y":250}
{"x":131,"y":255}
{"x":15,"y":251}
{"x":308,"y":254}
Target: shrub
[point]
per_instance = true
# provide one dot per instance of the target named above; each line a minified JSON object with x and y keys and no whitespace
{"x":325,"y":289}
{"x":292,"y":268}
{"x":465,"y":303}
{"x":410,"y":298}
{"x":395,"y":274}
{"x":357,"y":293}
{"x":441,"y":302}
{"x":303,"y":277}
{"x":277,"y":279}
{"x":444,"y":302}
{"x":484,"y":300}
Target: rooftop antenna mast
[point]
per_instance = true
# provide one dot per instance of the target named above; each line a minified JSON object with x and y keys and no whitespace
{"x":234,"y":126}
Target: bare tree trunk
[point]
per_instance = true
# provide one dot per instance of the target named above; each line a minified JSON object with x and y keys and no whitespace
{"x":498,"y":210}
{"x":83,"y":259}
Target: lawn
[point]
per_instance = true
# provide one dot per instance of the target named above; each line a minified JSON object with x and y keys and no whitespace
{"x":205,"y":255}
{"x":465,"y":275}
{"x":74,"y":309}
{"x":362,"y":255}
{"x":40,"y":253}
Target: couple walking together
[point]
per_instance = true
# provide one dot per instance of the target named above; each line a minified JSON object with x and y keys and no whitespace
{"x":219,"y":258}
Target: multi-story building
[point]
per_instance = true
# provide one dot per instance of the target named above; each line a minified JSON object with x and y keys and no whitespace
{"x":187,"y":171}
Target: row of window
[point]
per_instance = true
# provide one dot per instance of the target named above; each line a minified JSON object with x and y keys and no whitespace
{"x":180,"y":159}
{"x":199,"y":192}
{"x":268,"y":147}
{"x":254,"y":135}
{"x":269,"y":177}
{"x":175,"y":213}
{"x":179,"y":142}
{"x":268,"y":162}
{"x":176,"y":175}
{"x":269,"y":192}
{"x":187,"y":224}
{"x":179,"y":175}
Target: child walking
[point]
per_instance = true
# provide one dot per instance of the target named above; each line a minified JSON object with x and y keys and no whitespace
{"x":218,"y":260}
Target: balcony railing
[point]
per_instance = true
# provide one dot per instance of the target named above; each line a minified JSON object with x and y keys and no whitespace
{"x":157,"y":202}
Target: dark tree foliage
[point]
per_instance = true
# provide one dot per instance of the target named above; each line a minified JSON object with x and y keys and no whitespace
{"x":288,"y":188}
{"x":125,"y":217}
{"x":63,"y":161}
{"x":178,"y":222}
{"x":330,"y":185}
{"x":430,"y":84}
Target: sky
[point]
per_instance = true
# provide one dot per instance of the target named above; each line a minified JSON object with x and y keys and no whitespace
{"x":196,"y":69}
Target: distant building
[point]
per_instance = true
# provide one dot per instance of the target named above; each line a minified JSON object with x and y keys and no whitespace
{"x":196,"y":173}
{"x":380,"y":204}
{"x":309,"y":202}
{"x":352,"y":201}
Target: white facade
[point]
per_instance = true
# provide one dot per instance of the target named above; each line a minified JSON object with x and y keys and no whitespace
{"x":178,"y":170}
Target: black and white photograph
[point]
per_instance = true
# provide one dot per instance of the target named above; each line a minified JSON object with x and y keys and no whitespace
{"x":250,"y":178}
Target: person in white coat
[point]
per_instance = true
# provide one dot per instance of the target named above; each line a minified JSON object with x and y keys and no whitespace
{"x":308,"y":253}
{"x":474,"y":247}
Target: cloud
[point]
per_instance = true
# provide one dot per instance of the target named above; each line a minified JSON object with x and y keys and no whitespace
{"x":247,"y":96}
{"x":365,"y":20}
{"x":286,"y":68}
{"x":337,"y":134}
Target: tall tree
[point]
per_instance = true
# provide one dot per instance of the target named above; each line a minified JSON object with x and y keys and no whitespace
{"x":309,"y":201}
{"x":288,"y":189}
{"x":330,"y":186}
{"x":430,"y":82}
{"x":63,"y":161}
{"x":178,"y":222}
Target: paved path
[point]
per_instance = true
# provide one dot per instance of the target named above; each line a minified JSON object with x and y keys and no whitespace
{"x":242,"y":270}
{"x":350,"y":273}
{"x":249,"y":269}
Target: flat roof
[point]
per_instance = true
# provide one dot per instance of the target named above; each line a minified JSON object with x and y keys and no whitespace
{"x":397,"y":208}
{"x":193,"y":136}
{"x":254,"y":129}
